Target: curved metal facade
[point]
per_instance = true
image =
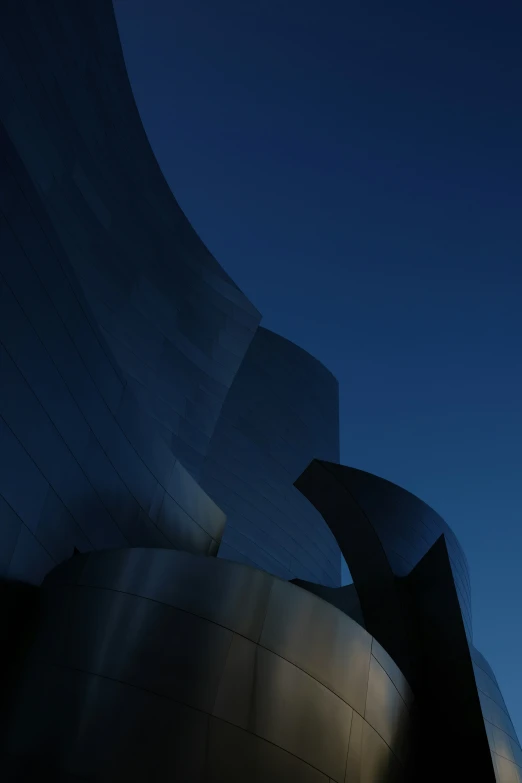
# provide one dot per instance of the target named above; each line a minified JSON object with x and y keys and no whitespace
{"x":80,"y":462}
{"x":134,"y":380}
{"x":502,"y":737}
{"x":176,"y":324}
{"x":220,"y":672}
{"x":119,"y":332}
{"x":414,"y":598}
{"x":407,"y":528}
{"x":281,"y":412}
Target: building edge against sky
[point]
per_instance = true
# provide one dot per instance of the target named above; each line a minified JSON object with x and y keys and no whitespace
{"x":282,"y":410}
{"x":141,"y":402}
{"x":121,"y":334}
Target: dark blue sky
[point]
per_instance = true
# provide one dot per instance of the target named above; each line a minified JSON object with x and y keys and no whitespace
{"x":357,"y":169}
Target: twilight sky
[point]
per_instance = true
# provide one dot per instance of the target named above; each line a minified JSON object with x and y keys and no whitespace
{"x":356,"y":167}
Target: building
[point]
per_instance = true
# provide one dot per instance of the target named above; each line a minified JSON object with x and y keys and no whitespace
{"x":282,"y":410}
{"x":141,"y":404}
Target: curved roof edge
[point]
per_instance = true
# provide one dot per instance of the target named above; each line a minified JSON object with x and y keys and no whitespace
{"x":294,"y":346}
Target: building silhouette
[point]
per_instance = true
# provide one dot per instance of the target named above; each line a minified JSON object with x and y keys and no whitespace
{"x":173,"y":514}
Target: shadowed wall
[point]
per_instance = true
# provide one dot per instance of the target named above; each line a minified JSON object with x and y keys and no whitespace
{"x":281,"y":412}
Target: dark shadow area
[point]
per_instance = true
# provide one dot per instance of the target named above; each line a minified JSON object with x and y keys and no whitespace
{"x":20,"y":608}
{"x":453,"y":734}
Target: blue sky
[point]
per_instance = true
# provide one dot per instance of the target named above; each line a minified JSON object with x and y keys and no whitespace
{"x":356,"y":167}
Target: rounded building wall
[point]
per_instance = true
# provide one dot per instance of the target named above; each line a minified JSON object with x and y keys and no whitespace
{"x":282,"y":410}
{"x":407,"y":528}
{"x":423,"y":616}
{"x":502,"y":737}
{"x":217,"y":671}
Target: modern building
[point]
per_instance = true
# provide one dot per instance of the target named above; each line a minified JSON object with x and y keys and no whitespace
{"x":173,"y":515}
{"x":282,"y":410}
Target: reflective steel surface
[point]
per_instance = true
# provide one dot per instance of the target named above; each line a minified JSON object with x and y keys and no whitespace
{"x":282,"y":410}
{"x":502,"y":737}
{"x":143,"y":666}
{"x":120,"y":334}
{"x":169,"y":316}
{"x":412,"y":583}
{"x":140,"y":403}
{"x":405,"y":526}
{"x":122,"y":338}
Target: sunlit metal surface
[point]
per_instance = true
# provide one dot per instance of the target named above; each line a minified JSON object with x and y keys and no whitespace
{"x":144,"y":662}
{"x":301,"y":630}
{"x":502,"y":737}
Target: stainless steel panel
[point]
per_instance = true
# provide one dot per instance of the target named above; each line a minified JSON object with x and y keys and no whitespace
{"x":229,"y":594}
{"x":108,"y":731}
{"x":320,"y":639}
{"x":58,"y":532}
{"x":517,"y":752}
{"x":274,"y":699}
{"x":254,"y":552}
{"x":21,"y":483}
{"x":496,"y":715}
{"x":281,"y":411}
{"x":140,"y":642}
{"x":501,"y":743}
{"x":487,"y":685}
{"x":482,"y":663}
{"x":62,"y":283}
{"x":9,"y":531}
{"x":385,"y":709}
{"x":506,"y":771}
{"x":238,"y":756}
{"x":354,"y":760}
{"x":393,"y":672}
{"x":180,"y":529}
{"x":196,"y":502}
{"x":29,"y":561}
{"x":378,"y":764}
